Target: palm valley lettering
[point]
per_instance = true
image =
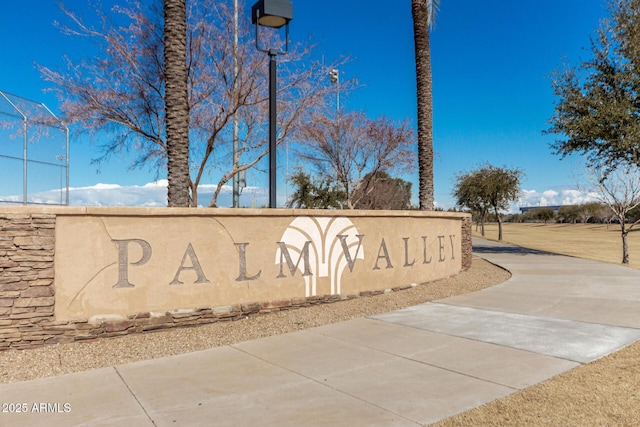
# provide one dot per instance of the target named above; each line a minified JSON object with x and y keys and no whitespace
{"x":421,"y":250}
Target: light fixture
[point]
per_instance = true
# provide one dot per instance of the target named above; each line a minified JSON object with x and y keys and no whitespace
{"x":334,"y":75}
{"x":272,"y":13}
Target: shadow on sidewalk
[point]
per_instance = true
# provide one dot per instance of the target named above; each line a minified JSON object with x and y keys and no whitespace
{"x":514,"y":250}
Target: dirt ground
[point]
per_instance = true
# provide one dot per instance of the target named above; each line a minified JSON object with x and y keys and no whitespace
{"x":605,"y":392}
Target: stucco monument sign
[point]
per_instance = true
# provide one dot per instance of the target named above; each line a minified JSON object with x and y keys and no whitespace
{"x":115,"y":263}
{"x":83,"y":273}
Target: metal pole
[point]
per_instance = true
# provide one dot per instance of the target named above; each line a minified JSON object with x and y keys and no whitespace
{"x":338,"y":92}
{"x":66,"y":156}
{"x":66,"y":159}
{"x":236,"y":157}
{"x":60,"y":159}
{"x":24,"y":150}
{"x":272,"y":128}
{"x":24,"y":165}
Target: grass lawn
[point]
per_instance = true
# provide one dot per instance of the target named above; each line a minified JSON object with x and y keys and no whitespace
{"x":598,"y":242}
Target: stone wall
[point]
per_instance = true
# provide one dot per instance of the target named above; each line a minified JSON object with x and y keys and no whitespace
{"x":466,"y":243}
{"x":27,"y":293}
{"x":28,"y":287}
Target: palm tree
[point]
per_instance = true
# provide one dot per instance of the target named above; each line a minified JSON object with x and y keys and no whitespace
{"x":423,"y":12}
{"x":176,"y":101}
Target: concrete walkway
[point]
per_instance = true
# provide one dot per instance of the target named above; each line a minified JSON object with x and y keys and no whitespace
{"x":410,"y":367}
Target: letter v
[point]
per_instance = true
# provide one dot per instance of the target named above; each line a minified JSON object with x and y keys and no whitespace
{"x":345,"y":249}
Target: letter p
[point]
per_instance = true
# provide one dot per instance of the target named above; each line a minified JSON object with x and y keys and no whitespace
{"x":123,"y":260}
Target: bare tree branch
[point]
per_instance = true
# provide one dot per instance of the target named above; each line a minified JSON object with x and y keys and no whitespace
{"x":120,"y":92}
{"x":619,"y":189}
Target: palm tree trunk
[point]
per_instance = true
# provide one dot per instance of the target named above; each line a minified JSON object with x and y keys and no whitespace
{"x":176,"y":101}
{"x":420,"y":13}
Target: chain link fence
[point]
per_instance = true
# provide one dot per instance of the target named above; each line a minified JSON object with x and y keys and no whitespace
{"x":34,"y":153}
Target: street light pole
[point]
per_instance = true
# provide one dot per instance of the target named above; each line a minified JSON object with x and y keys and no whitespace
{"x":273,"y":14}
{"x":272,"y":128}
{"x":236,"y":157}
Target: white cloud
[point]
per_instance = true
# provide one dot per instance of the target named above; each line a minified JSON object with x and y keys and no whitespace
{"x":152,"y":194}
{"x":101,"y":186}
{"x":563,"y":196}
{"x":149,"y":195}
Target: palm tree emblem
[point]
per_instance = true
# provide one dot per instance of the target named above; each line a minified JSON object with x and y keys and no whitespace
{"x":330,"y":244}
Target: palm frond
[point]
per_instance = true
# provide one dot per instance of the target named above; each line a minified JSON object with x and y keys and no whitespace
{"x":432,"y":7}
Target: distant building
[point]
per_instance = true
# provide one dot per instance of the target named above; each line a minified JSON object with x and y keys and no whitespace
{"x":524,"y":210}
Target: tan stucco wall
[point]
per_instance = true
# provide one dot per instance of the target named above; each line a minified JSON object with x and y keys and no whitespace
{"x":112,"y":262}
{"x":71,"y":273}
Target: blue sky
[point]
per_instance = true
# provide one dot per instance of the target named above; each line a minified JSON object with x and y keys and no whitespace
{"x":492,"y":95}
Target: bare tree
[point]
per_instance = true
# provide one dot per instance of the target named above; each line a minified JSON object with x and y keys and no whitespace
{"x":352,"y":150}
{"x":121,"y":91}
{"x":619,"y":189}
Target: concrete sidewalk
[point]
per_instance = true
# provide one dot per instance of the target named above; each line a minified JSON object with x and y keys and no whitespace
{"x":405,"y":368}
